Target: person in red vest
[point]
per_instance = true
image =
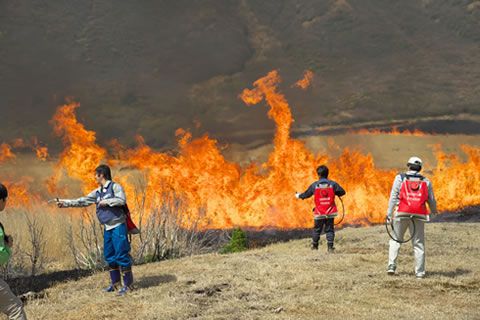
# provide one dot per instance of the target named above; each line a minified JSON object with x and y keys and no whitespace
{"x":325,"y":210}
{"x":410,"y":193}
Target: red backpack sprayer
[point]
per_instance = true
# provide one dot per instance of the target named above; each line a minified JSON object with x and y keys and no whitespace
{"x":412,"y":203}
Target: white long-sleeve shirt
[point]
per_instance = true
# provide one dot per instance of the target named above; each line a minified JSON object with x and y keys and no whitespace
{"x":394,"y":194}
{"x":118,"y":199}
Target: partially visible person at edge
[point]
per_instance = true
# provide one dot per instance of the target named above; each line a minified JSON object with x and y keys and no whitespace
{"x":410,"y":193}
{"x":10,"y":304}
{"x":110,"y":200}
{"x":325,"y":210}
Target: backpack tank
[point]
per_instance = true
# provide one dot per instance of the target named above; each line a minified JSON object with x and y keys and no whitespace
{"x":325,"y":206}
{"x":413,"y":197}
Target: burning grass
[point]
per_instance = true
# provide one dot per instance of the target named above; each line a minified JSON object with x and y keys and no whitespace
{"x":257,"y":195}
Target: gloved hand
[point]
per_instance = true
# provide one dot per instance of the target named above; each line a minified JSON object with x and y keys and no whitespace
{"x":297,"y":195}
{"x":389,"y":220}
{"x":59,"y":203}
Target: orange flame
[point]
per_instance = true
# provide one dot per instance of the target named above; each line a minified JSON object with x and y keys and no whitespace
{"x":258,"y":195}
{"x":6,"y":152}
{"x":306,"y":81}
{"x":456,"y":182}
{"x":394,"y":131}
{"x":81,"y":154}
{"x":20,"y":193}
{"x":40,"y":151}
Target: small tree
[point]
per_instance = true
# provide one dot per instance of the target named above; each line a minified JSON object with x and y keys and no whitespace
{"x":238,"y":242}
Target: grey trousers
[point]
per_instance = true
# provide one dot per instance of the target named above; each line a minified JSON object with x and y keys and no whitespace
{"x":10,"y":304}
{"x":418,"y":242}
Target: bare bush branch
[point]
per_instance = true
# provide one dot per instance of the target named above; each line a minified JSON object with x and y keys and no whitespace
{"x":169,"y":232}
{"x":86,"y":243}
{"x":37,"y":242}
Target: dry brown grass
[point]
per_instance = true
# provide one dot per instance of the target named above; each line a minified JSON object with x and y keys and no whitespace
{"x":56,"y":254}
{"x":288,"y":281}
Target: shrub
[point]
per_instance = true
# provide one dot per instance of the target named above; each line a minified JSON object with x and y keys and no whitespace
{"x":238,"y":242}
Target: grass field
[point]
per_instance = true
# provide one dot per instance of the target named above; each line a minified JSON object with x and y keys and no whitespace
{"x":289,"y":281}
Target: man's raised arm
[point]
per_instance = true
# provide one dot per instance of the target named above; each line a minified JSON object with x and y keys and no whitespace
{"x":89,"y":199}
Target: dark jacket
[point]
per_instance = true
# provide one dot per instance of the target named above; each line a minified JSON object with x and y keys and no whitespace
{"x":339,"y":191}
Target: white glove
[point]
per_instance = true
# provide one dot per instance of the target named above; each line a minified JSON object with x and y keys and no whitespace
{"x":297,"y":195}
{"x":389,"y":220}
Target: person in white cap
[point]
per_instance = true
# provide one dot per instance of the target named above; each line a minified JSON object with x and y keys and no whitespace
{"x":410,"y":193}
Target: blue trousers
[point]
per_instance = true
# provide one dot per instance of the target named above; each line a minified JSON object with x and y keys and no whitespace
{"x":116,"y":247}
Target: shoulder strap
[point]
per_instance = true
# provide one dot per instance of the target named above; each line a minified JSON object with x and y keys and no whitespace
{"x":125,"y":207}
{"x":110,"y":189}
{"x":404,"y":176}
{"x":418,"y":176}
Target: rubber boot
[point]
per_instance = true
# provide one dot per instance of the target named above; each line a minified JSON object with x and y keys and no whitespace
{"x":331,"y":249}
{"x":127,"y":281}
{"x":114,"y":280}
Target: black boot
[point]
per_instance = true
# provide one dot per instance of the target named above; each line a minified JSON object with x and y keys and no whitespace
{"x":331,"y":249}
{"x":314,"y":246}
{"x":114,"y":280}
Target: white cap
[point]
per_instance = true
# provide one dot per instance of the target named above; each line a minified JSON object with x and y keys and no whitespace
{"x":415,"y":160}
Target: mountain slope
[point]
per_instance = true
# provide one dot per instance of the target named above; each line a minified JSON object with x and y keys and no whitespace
{"x":152,"y":67}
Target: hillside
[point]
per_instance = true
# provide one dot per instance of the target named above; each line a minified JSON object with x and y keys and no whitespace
{"x":152,"y":67}
{"x":288,"y":281}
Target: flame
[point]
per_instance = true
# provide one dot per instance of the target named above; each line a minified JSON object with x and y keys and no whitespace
{"x":81,"y":154}
{"x":6,"y":152}
{"x":306,"y":81}
{"x":18,"y":143}
{"x":455,"y":181}
{"x":393,"y":131}
{"x":19,"y":187}
{"x":20,"y":193}
{"x":41,"y":152}
{"x":222,"y":194}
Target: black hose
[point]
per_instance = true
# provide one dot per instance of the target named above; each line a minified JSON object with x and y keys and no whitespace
{"x":343,"y":212}
{"x":396,"y":240}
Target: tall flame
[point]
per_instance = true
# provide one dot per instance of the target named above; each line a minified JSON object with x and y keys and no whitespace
{"x":81,"y":154}
{"x":223,"y":194}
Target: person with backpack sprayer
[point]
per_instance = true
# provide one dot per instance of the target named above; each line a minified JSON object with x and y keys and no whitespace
{"x":10,"y":304}
{"x":410,"y":193}
{"x":325,"y":211}
{"x":113,"y":213}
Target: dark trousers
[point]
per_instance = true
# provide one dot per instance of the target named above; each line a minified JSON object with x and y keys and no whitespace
{"x":329,"y":230}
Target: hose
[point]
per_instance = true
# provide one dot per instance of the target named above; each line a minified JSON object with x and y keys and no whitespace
{"x":396,"y":240}
{"x":343,"y":212}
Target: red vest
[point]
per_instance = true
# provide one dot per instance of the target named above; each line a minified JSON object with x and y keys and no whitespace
{"x":413,"y":196}
{"x":325,"y":201}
